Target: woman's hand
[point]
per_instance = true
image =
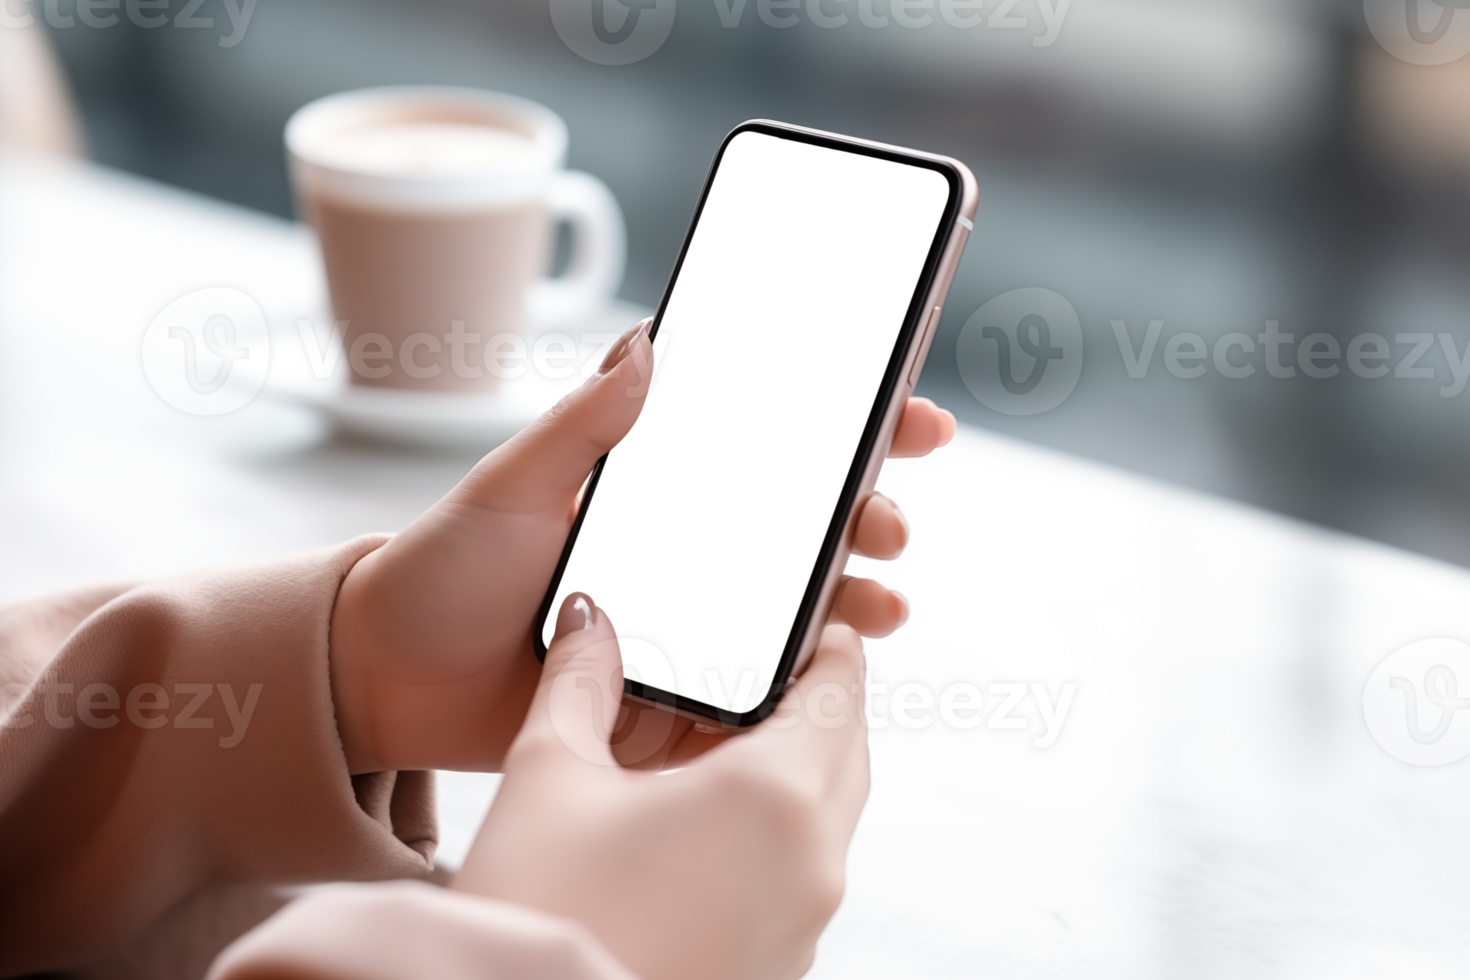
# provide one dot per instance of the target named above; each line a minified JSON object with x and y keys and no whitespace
{"x":433,"y":665}
{"x":728,"y":869}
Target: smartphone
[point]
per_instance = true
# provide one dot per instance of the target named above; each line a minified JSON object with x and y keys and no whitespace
{"x":786,"y":345}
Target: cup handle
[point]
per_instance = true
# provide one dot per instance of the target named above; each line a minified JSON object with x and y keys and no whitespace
{"x":599,"y":250}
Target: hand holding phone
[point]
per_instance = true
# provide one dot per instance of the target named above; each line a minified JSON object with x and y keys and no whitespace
{"x":432,"y":661}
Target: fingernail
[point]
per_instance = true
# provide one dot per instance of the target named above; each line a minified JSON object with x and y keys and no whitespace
{"x":623,"y":346}
{"x":577,"y":613}
{"x":905,"y":601}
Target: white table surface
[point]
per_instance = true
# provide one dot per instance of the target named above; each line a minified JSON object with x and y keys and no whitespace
{"x":1214,"y":805}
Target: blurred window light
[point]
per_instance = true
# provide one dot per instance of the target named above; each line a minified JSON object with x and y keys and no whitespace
{"x":1241,"y":73}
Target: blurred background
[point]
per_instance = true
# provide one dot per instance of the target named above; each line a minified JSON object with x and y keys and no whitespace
{"x":1212,"y":164}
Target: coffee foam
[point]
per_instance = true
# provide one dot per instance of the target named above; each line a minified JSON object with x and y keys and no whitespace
{"x":426,"y":149}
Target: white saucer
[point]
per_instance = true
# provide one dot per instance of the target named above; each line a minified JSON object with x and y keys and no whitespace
{"x":309,"y":368}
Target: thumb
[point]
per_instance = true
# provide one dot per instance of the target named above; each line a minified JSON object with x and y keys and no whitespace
{"x":576,"y":704}
{"x":545,"y":464}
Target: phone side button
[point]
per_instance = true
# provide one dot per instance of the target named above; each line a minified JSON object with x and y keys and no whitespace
{"x":919,"y":349}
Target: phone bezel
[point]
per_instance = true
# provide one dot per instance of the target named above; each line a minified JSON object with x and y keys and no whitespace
{"x":893,"y":377}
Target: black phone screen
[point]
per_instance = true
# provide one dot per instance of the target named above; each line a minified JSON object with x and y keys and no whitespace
{"x":705,"y":527}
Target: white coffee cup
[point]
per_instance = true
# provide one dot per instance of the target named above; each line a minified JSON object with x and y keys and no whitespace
{"x":435,"y":208}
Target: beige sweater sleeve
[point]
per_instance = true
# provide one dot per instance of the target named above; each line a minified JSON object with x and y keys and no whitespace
{"x":166,"y":739}
{"x":171,"y":774}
